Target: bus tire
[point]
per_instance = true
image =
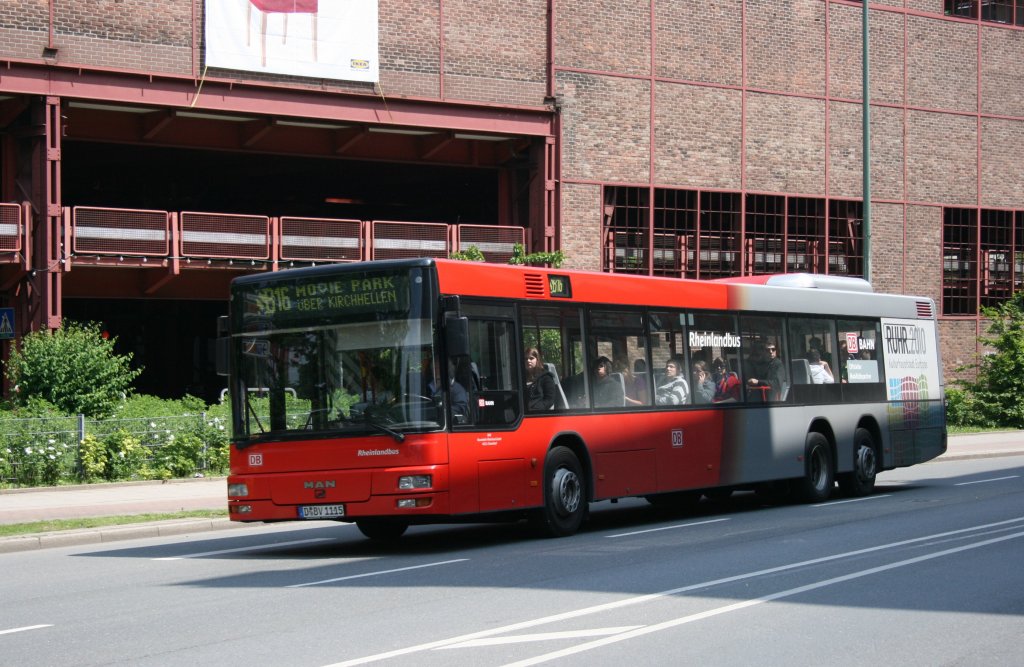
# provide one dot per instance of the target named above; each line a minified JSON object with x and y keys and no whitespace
{"x":382,"y":529}
{"x":819,"y":474}
{"x":861,"y":481}
{"x":565,"y":497}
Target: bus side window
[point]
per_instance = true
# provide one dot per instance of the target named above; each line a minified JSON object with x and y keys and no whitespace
{"x":550,"y":333}
{"x":813,"y":366}
{"x":764,"y":365}
{"x":491,"y":374}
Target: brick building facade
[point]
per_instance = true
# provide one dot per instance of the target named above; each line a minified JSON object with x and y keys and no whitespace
{"x":647,"y":136}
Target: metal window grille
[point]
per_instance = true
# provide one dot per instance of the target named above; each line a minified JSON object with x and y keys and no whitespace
{"x":626,"y":229}
{"x":113,"y":231}
{"x":998,"y":11}
{"x":401,"y":240}
{"x":805,"y":235}
{"x":997,"y":253}
{"x":766,"y":226}
{"x":963,"y":8}
{"x":224,"y":236}
{"x":959,"y":262}
{"x":846,"y":238}
{"x":1018,"y":251}
{"x":675,"y":232}
{"x":10,"y":228}
{"x":321,"y":240}
{"x":718,"y":248}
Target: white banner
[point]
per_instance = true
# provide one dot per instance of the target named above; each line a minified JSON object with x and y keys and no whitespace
{"x":329,"y":39}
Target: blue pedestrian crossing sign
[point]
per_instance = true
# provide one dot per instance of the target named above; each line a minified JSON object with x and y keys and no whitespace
{"x":6,"y":323}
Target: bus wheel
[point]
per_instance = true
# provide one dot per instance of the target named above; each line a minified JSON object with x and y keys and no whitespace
{"x":819,"y":476}
{"x":861,"y":481}
{"x":565,"y":503}
{"x":383,"y":530}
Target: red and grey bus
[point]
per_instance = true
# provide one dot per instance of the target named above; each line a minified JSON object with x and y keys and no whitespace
{"x":394,"y":393}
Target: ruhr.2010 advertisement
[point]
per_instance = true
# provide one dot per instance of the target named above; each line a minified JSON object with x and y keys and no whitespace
{"x":912,"y":383}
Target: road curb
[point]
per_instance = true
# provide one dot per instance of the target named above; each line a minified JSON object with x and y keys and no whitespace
{"x":71,"y":538}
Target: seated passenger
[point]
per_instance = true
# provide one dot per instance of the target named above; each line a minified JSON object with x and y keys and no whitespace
{"x":727,"y":384}
{"x":607,"y":390}
{"x":540,"y":386}
{"x":820,"y":372}
{"x":703,"y":386}
{"x":673,"y":390}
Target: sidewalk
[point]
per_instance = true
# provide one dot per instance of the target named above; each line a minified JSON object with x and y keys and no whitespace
{"x":98,"y":500}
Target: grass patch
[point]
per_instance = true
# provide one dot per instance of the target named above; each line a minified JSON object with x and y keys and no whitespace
{"x":14,"y":529}
{"x":968,"y":430}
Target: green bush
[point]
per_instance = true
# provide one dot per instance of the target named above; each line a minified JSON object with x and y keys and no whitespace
{"x":994,"y":396}
{"x":73,"y":367}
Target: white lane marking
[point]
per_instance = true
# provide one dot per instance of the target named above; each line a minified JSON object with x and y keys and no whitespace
{"x":756,"y":601}
{"x":986,"y":481}
{"x":262,"y":547}
{"x":540,"y":637}
{"x":27,"y":627}
{"x":853,"y":500}
{"x":654,"y":530}
{"x":378,"y":573}
{"x":626,"y":602}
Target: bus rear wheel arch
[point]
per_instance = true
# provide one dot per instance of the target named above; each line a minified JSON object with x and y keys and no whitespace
{"x":861,"y":480}
{"x":565,"y":494}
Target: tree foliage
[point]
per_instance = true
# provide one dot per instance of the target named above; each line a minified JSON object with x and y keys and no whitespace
{"x":994,"y":397}
{"x":73,"y":367}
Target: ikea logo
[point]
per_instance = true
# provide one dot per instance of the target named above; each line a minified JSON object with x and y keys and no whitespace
{"x":356,"y":63}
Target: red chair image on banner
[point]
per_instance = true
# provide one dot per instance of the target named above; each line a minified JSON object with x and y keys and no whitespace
{"x":285,"y":7}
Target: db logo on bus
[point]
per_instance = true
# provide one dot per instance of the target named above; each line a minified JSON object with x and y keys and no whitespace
{"x":255,"y":459}
{"x":677,"y":437}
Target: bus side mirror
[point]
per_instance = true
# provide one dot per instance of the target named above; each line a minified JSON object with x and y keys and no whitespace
{"x":222,"y":348}
{"x":456,"y":336}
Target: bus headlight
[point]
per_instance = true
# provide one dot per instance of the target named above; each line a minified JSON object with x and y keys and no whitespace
{"x":415,"y":482}
{"x":238,"y":490}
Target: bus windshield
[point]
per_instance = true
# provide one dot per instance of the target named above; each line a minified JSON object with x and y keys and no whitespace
{"x":323,"y":355}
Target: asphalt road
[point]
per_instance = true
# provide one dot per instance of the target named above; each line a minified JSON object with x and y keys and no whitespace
{"x":924,"y":572}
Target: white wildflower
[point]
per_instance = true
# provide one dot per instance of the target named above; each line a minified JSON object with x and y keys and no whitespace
{"x":28,"y":450}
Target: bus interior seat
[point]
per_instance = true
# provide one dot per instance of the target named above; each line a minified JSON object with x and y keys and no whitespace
{"x":564,"y":405}
{"x":800,"y":370}
{"x":621,"y":382}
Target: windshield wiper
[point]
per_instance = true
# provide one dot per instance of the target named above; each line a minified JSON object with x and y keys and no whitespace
{"x":397,"y":435}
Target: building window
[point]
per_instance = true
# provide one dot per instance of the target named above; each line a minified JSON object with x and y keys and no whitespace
{"x":846,"y":238}
{"x":959,"y":262}
{"x":675,"y":232}
{"x":1018,"y":252}
{"x":806,"y":236}
{"x":626,"y":226}
{"x":997,"y":257}
{"x":766,"y":234}
{"x":718,"y":248}
{"x":690,"y":234}
{"x":1010,"y":12}
{"x":965,"y":8}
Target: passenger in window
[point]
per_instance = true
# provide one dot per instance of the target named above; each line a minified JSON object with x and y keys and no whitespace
{"x":820,"y":372}
{"x":727,"y":383}
{"x":772,"y":377}
{"x":673,"y":390}
{"x":540,"y":386}
{"x":608,"y":391}
{"x":703,"y":385}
